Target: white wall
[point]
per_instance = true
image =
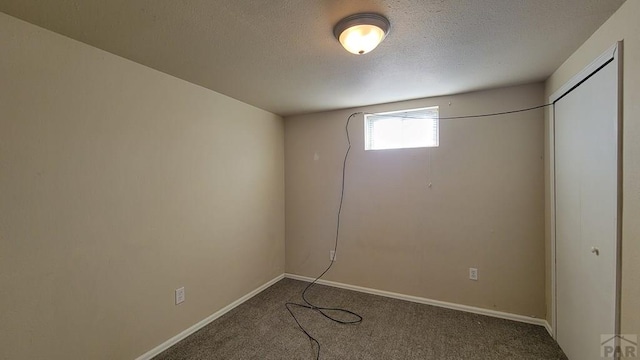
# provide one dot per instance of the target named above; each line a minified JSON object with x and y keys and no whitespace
{"x":119,"y":184}
{"x":623,"y":25}
{"x":485,"y":208}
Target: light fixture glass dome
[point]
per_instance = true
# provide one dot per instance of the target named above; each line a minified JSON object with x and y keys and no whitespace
{"x":361,"y":33}
{"x":361,"y":39}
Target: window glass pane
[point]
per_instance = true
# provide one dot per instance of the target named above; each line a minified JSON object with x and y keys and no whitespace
{"x":402,"y":129}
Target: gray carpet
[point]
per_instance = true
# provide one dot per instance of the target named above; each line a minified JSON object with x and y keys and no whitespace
{"x":261,"y":328}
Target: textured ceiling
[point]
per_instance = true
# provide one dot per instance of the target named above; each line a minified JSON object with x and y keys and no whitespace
{"x":280,"y":55}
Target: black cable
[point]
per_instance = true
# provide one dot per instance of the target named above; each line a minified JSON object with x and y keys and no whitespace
{"x":467,"y":116}
{"x":308,"y":304}
{"x":358,"y":318}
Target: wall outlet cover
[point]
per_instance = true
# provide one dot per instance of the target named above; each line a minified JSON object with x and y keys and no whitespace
{"x":179,"y":295}
{"x":473,"y":274}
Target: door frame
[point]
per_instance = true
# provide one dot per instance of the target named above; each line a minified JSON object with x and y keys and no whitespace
{"x":614,"y":53}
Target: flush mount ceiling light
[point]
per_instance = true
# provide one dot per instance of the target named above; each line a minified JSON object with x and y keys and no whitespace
{"x":361,"y":33}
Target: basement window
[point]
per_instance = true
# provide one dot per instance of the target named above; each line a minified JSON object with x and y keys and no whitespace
{"x":404,"y":129}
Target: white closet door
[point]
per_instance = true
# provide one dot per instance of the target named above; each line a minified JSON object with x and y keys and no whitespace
{"x":586,"y":185}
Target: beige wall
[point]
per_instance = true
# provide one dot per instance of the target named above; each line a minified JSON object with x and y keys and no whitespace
{"x":485,"y":208}
{"x":623,"y":25}
{"x":119,"y":184}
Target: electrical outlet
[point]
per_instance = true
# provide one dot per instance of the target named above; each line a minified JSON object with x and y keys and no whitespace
{"x":332,"y":255}
{"x":473,"y":274}
{"x":179,"y":295}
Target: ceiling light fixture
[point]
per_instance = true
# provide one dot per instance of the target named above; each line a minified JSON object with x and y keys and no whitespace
{"x":361,"y":33}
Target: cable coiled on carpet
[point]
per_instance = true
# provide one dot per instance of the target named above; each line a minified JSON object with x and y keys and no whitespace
{"x":307,"y":304}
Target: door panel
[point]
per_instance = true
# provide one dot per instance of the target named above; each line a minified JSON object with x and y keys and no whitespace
{"x":586,"y":184}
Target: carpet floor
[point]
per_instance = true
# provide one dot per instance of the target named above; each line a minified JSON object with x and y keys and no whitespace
{"x":262,"y":328}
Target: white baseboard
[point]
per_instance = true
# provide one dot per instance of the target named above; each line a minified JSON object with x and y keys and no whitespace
{"x":548,"y":327}
{"x":421,"y":300}
{"x":471,"y":309}
{"x":174,"y":340}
